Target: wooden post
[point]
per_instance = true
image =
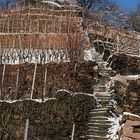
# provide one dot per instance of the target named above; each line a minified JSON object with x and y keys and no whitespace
{"x":20,"y":45}
{"x":45,"y":31}
{"x":33,"y":80}
{"x":15,"y":91}
{"x":17,"y":80}
{"x":24,"y":4}
{"x":30,"y":27}
{"x":139,"y":44}
{"x":14,"y":40}
{"x":8,"y":25}
{"x":29,"y":15}
{"x":139,"y":50}
{"x":37,"y":25}
{"x":3,"y":75}
{"x":45,"y":80}
{"x":1,"y":51}
{"x":117,"y":43}
{"x":12,"y":26}
{"x":73,"y":130}
{"x":69,"y":20}
{"x":26,"y":129}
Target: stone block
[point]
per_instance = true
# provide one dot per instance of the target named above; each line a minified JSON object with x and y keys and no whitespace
{"x":126,"y":138}
{"x":127,"y":131}
{"x":132,"y":123}
{"x":136,"y":136}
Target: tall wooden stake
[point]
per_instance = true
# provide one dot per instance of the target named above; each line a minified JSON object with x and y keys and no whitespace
{"x":26,"y":129}
{"x":33,"y":84}
{"x":73,"y":130}
{"x":45,"y":80}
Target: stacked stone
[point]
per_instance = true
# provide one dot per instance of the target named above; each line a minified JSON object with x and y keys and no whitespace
{"x":125,"y":64}
{"x":131,"y":127}
{"x":127,"y":94}
{"x":50,"y":119}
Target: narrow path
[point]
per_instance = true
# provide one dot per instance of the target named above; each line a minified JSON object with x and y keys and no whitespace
{"x":99,"y":124}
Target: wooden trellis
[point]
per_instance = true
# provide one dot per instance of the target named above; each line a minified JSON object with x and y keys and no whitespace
{"x":42,"y":34}
{"x":126,"y":42}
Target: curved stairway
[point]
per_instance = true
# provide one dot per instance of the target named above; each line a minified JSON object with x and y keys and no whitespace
{"x":99,"y":123}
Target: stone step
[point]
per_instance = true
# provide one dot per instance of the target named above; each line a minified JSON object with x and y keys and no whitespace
{"x":103,"y":104}
{"x":99,"y":109}
{"x":98,"y":113}
{"x":99,"y":90}
{"x":99,"y":117}
{"x":103,"y":124}
{"x":94,"y":137}
{"x":107,"y":72}
{"x":98,"y":128}
{"x":105,"y":69}
{"x":100,"y":86}
{"x":103,"y":101}
{"x":97,"y":132}
{"x":100,"y":121}
{"x":101,"y":63}
{"x":99,"y":60}
{"x":103,"y":98}
{"x":103,"y":93}
{"x":100,"y":133}
{"x":102,"y":66}
{"x":109,"y":106}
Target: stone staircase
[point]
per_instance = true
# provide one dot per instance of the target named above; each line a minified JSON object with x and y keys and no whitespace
{"x":99,"y":123}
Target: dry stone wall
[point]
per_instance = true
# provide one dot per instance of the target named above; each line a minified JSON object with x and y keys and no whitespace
{"x":127,"y":95}
{"x":73,"y":76}
{"x":50,"y":119}
{"x":125,"y":64}
{"x":131,"y":127}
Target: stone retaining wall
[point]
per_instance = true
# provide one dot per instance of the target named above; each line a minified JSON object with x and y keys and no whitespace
{"x":127,"y":95}
{"x":125,"y":64}
{"x":73,"y":76}
{"x":50,"y":119}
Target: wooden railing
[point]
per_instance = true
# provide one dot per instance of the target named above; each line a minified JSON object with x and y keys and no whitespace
{"x":127,"y":42}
